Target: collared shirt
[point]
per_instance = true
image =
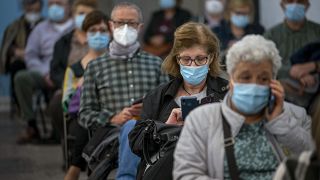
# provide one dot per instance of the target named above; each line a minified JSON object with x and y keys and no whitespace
{"x":288,"y":41}
{"x":40,"y":45}
{"x":112,"y":84}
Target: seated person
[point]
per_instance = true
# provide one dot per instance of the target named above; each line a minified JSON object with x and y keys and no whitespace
{"x":113,"y":81}
{"x":293,"y":33}
{"x":68,"y":50}
{"x":38,"y":56}
{"x":15,"y":39}
{"x":238,"y":23}
{"x":194,"y":64}
{"x":158,"y":37}
{"x":95,"y":25}
{"x":213,"y":14}
{"x":303,"y":83}
{"x":248,"y":134}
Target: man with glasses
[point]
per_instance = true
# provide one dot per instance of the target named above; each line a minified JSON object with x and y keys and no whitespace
{"x":114,"y":81}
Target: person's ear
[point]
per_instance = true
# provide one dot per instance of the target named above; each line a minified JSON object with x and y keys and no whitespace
{"x":307,"y":4}
{"x":111,"y":26}
{"x":231,"y":82}
{"x":140,"y":27}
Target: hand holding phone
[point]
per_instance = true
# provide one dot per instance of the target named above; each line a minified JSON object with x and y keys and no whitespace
{"x":276,"y":100}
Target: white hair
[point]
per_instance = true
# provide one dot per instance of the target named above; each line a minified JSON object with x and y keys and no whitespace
{"x":253,"y":48}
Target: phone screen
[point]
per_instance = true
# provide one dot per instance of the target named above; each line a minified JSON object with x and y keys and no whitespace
{"x":188,"y":103}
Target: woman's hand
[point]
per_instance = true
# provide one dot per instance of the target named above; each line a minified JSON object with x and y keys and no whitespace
{"x":175,"y":117}
{"x":278,"y":91}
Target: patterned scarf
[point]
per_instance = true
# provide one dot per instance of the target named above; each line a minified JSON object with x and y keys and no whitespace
{"x":120,"y":52}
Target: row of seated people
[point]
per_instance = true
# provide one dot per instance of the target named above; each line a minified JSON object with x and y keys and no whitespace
{"x":111,"y":87}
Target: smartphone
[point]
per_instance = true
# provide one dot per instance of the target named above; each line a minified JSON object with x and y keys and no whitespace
{"x":137,"y":101}
{"x":271,"y":103}
{"x":188,"y":103}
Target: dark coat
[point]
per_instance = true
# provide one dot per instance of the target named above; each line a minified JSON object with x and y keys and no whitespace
{"x":181,"y":16}
{"x":59,"y":61}
{"x":157,"y":106}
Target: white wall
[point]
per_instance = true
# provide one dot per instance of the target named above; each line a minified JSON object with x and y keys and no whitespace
{"x":271,"y":12}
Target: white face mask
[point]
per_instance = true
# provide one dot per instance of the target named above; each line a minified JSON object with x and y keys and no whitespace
{"x":32,"y":17}
{"x":214,"y":6}
{"x":125,"y":35}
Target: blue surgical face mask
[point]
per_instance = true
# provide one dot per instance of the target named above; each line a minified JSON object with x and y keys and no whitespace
{"x":166,"y":4}
{"x":194,"y":75}
{"x":240,"y":20}
{"x":250,"y":99}
{"x":56,"y":13}
{"x":78,"y":20}
{"x":295,"y":11}
{"x":98,"y":41}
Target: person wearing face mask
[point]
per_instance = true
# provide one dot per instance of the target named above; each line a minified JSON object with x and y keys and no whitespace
{"x":95,"y":25}
{"x":194,"y":64}
{"x":38,"y":55}
{"x":68,"y":50}
{"x":116,"y":79}
{"x":213,"y":14}
{"x":239,"y":22}
{"x":248,"y":134}
{"x":158,"y":37}
{"x":15,"y":39}
{"x":295,"y":32}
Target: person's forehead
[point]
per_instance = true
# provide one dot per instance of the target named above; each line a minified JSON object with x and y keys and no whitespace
{"x":58,"y":1}
{"x":125,"y":13}
{"x":253,"y":67}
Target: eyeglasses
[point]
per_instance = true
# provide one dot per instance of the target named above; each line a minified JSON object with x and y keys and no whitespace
{"x":187,"y":60}
{"x":129,"y":23}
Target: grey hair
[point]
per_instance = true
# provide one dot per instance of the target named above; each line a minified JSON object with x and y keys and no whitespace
{"x":127,"y":5}
{"x":253,"y":48}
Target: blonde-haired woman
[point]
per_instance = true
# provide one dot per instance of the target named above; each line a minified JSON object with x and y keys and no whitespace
{"x":194,"y":64}
{"x":239,"y":21}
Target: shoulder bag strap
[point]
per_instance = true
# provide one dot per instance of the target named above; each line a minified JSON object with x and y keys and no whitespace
{"x":228,"y":145}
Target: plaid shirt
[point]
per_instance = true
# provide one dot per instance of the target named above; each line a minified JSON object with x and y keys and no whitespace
{"x":113,"y":84}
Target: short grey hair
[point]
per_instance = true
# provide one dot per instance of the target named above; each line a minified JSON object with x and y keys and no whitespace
{"x":127,"y":5}
{"x":253,"y":48}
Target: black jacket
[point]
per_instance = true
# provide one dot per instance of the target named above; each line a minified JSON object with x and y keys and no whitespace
{"x":59,"y":61}
{"x":157,"y":106}
{"x":181,"y":16}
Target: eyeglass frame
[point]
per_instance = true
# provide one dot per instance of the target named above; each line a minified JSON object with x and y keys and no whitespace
{"x":133,"y":24}
{"x":193,"y":60}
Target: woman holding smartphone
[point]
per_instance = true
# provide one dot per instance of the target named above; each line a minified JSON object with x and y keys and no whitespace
{"x":194,"y":64}
{"x":238,"y":138}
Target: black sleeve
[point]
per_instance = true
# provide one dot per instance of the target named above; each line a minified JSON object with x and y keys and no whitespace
{"x":149,"y":30}
{"x":58,"y":63}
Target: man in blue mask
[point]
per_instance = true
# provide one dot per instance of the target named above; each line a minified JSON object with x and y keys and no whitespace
{"x":38,"y":55}
{"x":292,"y":34}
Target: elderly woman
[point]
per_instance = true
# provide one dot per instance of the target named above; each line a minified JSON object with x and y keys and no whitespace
{"x":248,"y":134}
{"x":193,"y":61}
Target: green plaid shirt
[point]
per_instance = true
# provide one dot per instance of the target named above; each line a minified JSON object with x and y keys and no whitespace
{"x":113,"y":84}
